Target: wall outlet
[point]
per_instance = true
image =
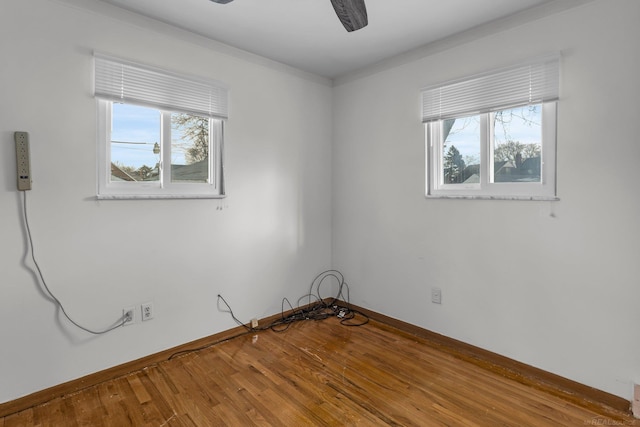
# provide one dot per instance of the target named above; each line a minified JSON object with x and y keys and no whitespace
{"x":147,"y":311}
{"x":436,"y":295}
{"x":635,"y":405}
{"x":129,"y":316}
{"x":254,"y":323}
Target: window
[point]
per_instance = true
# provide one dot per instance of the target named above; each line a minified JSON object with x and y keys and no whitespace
{"x":160,"y":135}
{"x":494,"y":136}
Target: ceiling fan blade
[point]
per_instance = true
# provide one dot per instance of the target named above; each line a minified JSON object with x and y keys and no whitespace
{"x":222,"y":1}
{"x":352,"y":13}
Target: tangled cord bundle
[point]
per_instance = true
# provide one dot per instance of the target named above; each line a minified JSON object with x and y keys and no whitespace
{"x":316,"y":308}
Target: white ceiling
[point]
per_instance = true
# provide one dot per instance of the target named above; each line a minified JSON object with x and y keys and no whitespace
{"x":306,"y":34}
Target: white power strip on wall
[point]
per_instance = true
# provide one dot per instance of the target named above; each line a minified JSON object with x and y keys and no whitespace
{"x":22,"y":160}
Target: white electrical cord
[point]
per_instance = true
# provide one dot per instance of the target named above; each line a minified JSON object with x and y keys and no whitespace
{"x":120,"y":322}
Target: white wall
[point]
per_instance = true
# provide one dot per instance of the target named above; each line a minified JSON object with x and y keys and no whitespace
{"x":265,"y":241}
{"x":554,"y":285}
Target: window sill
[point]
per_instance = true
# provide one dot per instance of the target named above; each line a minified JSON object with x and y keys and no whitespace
{"x":496,"y":197}
{"x":157,"y":196}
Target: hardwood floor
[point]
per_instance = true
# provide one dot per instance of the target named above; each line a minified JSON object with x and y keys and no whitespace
{"x":317,"y":373}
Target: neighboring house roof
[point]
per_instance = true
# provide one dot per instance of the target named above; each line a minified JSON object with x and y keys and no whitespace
{"x":506,"y":171}
{"x":473,"y":179}
{"x":118,"y":174}
{"x":506,"y":167}
{"x":532,"y":163}
{"x":528,"y":171}
{"x":198,"y":171}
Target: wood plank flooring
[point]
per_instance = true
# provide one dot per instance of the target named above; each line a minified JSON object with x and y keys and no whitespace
{"x":318,"y":373}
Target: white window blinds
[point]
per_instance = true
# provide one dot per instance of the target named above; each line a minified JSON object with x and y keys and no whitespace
{"x":127,"y":82}
{"x":530,"y":83}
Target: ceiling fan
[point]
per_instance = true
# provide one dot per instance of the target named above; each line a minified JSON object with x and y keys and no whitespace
{"x":352,"y":13}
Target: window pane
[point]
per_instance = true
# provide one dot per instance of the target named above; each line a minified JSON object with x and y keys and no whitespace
{"x":189,"y":148}
{"x":135,"y":131}
{"x":517,"y":144}
{"x":461,"y":150}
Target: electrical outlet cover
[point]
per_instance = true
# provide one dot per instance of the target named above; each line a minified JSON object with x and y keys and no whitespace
{"x":131,"y":310}
{"x":436,"y":296}
{"x":147,"y":311}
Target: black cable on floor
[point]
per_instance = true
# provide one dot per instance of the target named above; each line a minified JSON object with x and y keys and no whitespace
{"x":315,"y":309}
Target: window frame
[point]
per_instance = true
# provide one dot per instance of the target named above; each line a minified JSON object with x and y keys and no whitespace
{"x":485,"y":189}
{"x":164,"y":188}
{"x":532,"y":82}
{"x":117,"y":80}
